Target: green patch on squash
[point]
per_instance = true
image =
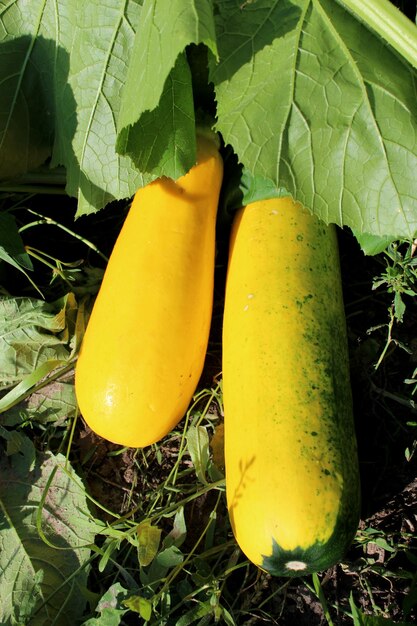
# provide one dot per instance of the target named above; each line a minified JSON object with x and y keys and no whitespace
{"x":319,"y":556}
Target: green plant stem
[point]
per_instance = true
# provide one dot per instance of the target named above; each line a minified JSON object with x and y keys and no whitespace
{"x":43,"y":180}
{"x":35,"y":189}
{"x":389,"y":23}
{"x":321,"y":596}
{"x":389,"y":338}
{"x":48,"y":220}
{"x":155,"y":517}
{"x":31,"y":384}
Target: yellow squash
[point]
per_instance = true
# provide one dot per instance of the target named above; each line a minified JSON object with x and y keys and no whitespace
{"x":290,"y":450}
{"x":146,"y":340}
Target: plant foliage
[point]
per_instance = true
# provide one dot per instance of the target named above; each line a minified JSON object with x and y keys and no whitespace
{"x":309,"y":97}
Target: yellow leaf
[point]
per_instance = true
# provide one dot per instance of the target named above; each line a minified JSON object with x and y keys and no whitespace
{"x":148,"y":542}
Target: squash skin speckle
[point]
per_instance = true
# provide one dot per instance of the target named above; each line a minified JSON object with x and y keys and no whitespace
{"x":292,"y":479}
{"x":145,"y":344}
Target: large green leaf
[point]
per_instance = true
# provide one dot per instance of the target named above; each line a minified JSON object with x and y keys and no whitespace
{"x":62,"y":67}
{"x":309,"y":98}
{"x":45,"y":534}
{"x":95,"y":42}
{"x":312,"y":100}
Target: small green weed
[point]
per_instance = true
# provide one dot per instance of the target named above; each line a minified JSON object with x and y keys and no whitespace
{"x":399,"y":279}
{"x":400,"y":274}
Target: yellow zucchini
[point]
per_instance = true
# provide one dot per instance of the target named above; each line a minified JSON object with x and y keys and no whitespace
{"x":146,"y":340}
{"x":290,"y":450}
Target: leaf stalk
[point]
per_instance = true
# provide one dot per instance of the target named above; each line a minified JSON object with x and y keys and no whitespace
{"x":389,"y":23}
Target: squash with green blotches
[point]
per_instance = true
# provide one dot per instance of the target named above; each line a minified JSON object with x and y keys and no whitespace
{"x":292,"y":478}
